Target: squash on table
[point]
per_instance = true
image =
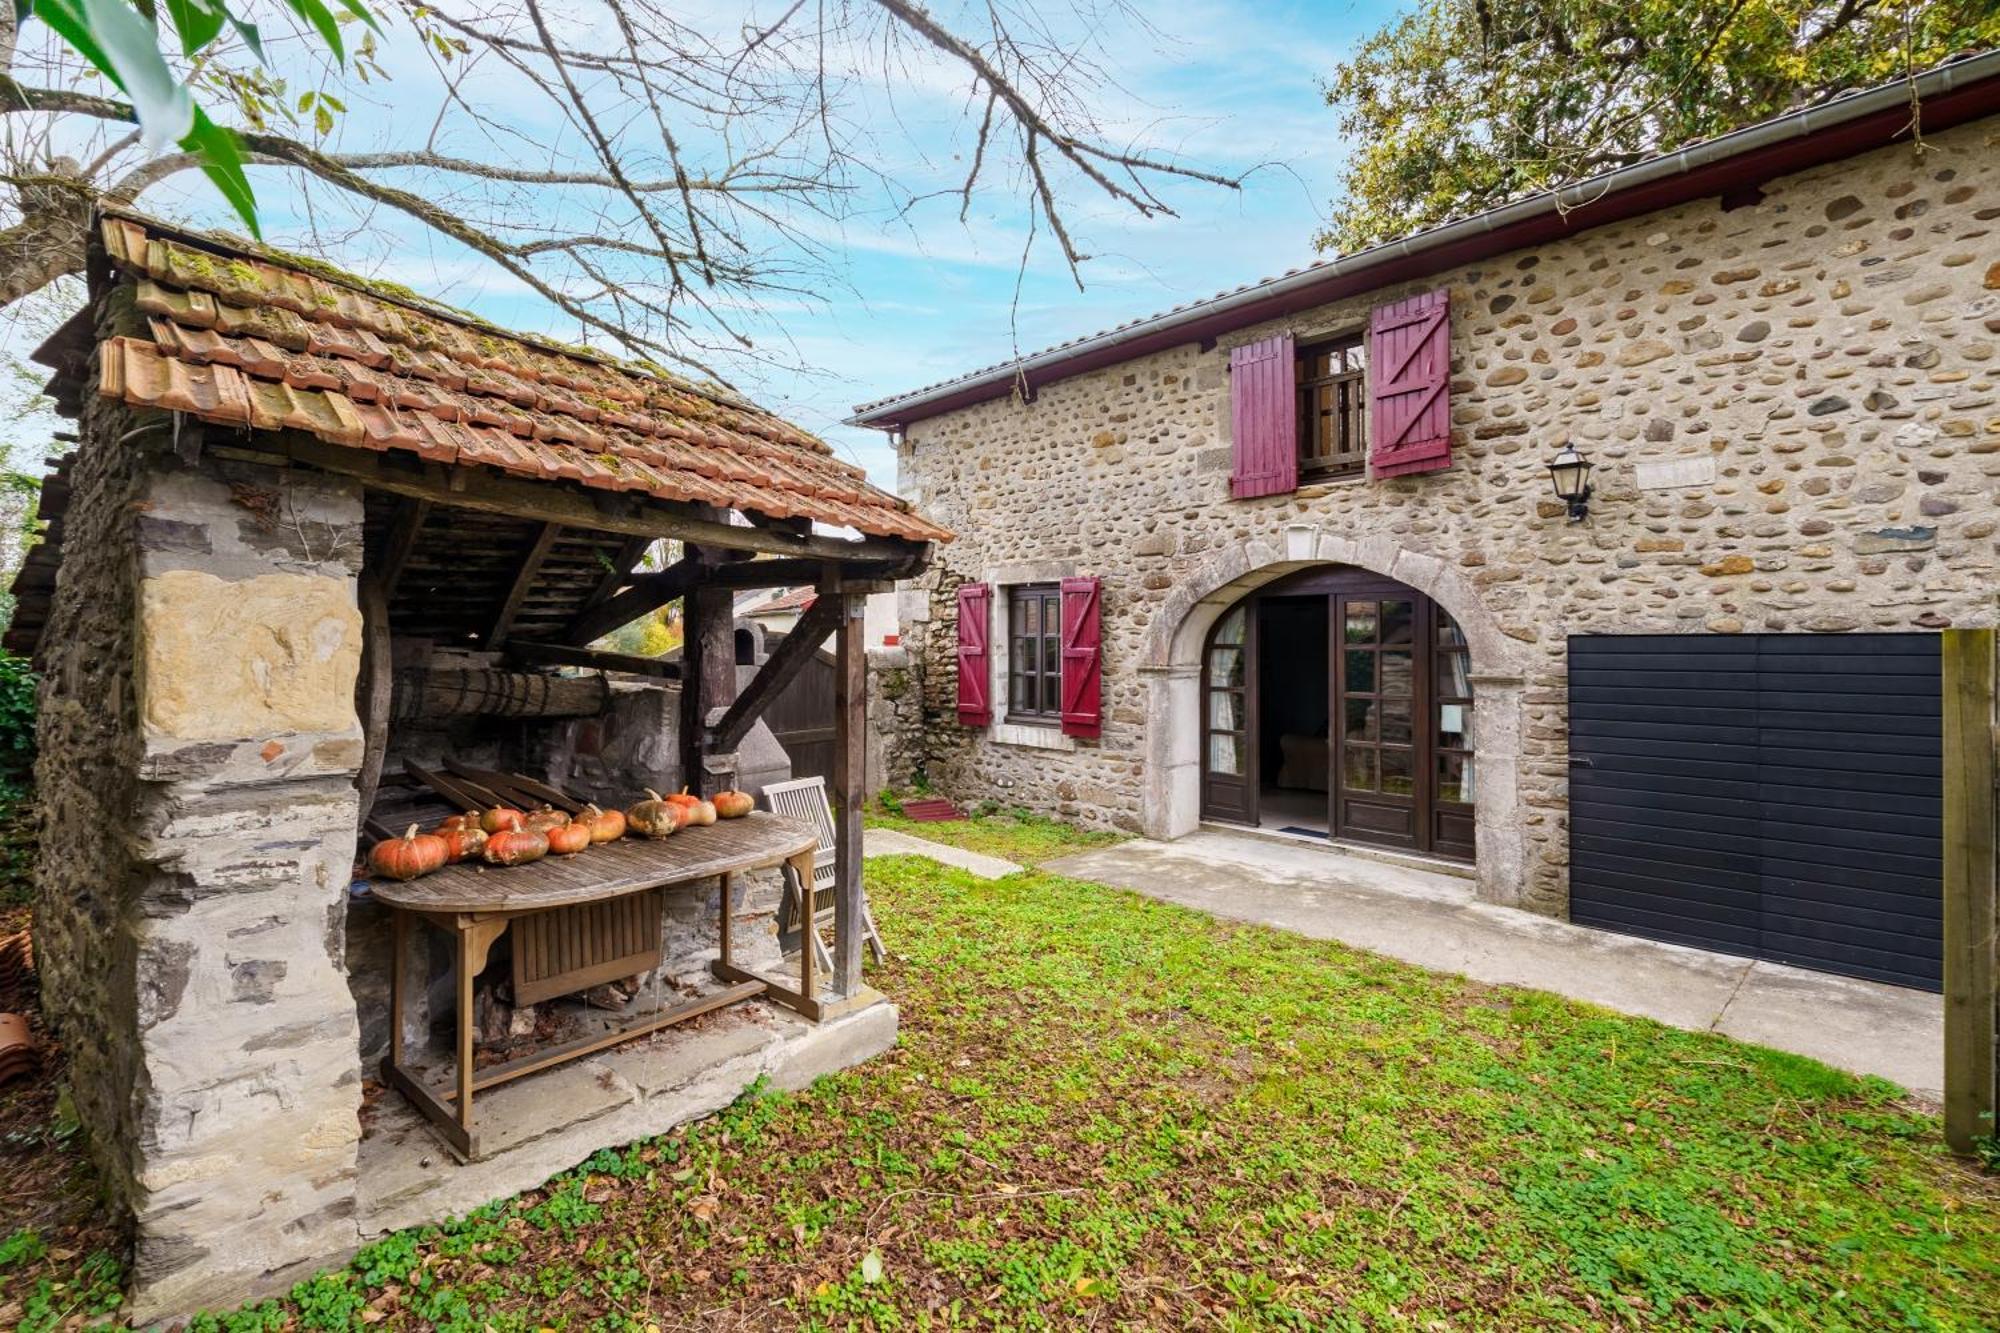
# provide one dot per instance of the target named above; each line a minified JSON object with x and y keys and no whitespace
{"x":500,"y":819}
{"x":604,"y":825}
{"x":567,"y":839}
{"x":462,"y":842}
{"x":544,"y":819}
{"x":407,"y":857}
{"x":733,"y":804}
{"x":514,"y":847}
{"x":654,"y":817}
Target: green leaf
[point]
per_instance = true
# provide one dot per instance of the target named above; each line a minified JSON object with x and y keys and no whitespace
{"x":360,"y":11}
{"x":251,"y":38}
{"x":113,"y":37}
{"x":197,"y":21}
{"x":317,"y":14}
{"x":222,"y":162}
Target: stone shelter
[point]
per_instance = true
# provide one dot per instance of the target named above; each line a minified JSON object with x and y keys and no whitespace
{"x":326,"y":554}
{"x":1294,"y":557}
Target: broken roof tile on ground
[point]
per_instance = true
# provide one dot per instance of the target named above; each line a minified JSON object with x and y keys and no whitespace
{"x":239,"y":339}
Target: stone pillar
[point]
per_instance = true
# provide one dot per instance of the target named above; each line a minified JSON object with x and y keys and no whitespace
{"x":225,"y":1111}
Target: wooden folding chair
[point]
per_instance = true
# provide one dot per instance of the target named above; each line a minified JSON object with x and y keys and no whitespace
{"x":804,"y":799}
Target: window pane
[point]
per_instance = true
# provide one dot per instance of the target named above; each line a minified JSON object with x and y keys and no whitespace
{"x":1230,"y":628}
{"x":1452,"y":682}
{"x":1455,"y":726}
{"x":1225,"y":754}
{"x":1399,"y":672}
{"x":1354,"y":356}
{"x":1052,"y":693}
{"x":1025,"y":658}
{"x":1360,"y":677}
{"x":1396,"y":621}
{"x":1449,"y":634}
{"x":1361,"y":720}
{"x":1020,"y":695}
{"x":1357,"y":768}
{"x":1399,"y":772}
{"x":1455,"y":778}
{"x":1225,"y":666}
{"x":1225,"y":710}
{"x":1397,"y":721}
{"x":1030,"y":609}
{"x":1360,"y":626}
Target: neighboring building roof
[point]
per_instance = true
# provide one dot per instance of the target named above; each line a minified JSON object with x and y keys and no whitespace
{"x":245,"y":337}
{"x":1950,"y":94}
{"x":785,"y":600}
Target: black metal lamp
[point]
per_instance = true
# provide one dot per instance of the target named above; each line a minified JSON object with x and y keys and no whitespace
{"x":1570,"y":471}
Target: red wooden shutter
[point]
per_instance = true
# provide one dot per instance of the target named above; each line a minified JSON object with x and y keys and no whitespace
{"x":975,"y":688}
{"x":1409,"y":380}
{"x":1264,"y":412}
{"x":1082,"y":667}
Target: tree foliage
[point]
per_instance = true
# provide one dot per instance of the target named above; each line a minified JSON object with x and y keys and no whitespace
{"x":1462,"y":105}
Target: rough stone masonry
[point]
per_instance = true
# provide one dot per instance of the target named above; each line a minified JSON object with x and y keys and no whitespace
{"x":195,"y":952}
{"x":1792,"y":409}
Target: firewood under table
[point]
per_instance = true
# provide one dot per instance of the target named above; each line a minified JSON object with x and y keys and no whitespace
{"x":476,"y":904}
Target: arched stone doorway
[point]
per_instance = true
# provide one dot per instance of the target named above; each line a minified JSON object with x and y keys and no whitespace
{"x":1338,"y":704}
{"x":1182,"y":633}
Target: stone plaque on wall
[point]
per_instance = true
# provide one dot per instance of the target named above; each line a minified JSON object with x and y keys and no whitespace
{"x":1674,"y":474}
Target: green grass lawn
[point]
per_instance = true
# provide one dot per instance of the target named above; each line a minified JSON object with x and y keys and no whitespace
{"x":1015,"y":835}
{"x":1112,"y":1112}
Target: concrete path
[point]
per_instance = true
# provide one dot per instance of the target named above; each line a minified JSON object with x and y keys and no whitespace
{"x":888,"y":842}
{"x":1433,"y":920}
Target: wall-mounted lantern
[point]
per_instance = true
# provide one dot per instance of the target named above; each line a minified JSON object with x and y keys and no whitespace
{"x":1570,"y":471}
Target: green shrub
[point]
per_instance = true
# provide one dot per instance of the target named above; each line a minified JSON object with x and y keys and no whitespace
{"x":17,"y":725}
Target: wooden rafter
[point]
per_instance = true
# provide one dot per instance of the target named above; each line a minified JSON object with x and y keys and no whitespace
{"x":778,"y":671}
{"x":563,"y":654}
{"x":531,"y":567}
{"x":402,"y":540}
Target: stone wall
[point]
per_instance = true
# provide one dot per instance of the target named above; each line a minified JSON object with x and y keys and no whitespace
{"x":1791,"y":405}
{"x":199,"y":743}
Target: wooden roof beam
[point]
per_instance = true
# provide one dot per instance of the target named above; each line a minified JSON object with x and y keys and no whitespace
{"x":572,"y":506}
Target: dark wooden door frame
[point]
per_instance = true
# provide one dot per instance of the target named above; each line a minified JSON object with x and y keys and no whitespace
{"x":1337,"y":584}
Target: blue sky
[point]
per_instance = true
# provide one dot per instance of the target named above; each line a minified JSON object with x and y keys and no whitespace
{"x":1228,"y":85}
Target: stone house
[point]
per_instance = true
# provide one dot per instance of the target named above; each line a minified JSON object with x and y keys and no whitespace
{"x":1293,"y":557}
{"x":323,"y":543}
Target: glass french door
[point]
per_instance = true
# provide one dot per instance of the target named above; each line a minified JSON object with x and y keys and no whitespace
{"x":1377,"y":699}
{"x":1229,"y":740}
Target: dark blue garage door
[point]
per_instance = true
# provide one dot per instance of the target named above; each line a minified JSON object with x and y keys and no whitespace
{"x":1769,"y":795}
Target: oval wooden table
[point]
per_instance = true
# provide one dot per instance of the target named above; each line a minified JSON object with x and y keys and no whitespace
{"x":476,"y":903}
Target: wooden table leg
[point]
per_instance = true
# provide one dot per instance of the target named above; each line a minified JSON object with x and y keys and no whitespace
{"x":399,"y":943}
{"x":465,"y":1028}
{"x":808,"y":927}
{"x":725,"y":929}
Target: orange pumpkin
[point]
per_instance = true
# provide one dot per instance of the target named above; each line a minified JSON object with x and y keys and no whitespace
{"x":463,"y":842}
{"x":450,"y":822}
{"x":407,"y":857}
{"x":514,"y":847}
{"x":500,"y":819}
{"x":655,"y":817}
{"x":733,"y":804}
{"x":604,"y":825}
{"x":544,"y":819}
{"x":567,"y":839}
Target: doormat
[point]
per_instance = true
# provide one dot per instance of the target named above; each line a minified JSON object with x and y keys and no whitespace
{"x":1308,"y":832}
{"x":932,"y":810}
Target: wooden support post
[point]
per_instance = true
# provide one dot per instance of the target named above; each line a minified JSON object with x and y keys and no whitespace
{"x":376,"y":683}
{"x":1970,"y":1094}
{"x":850,"y":780}
{"x":708,"y":673}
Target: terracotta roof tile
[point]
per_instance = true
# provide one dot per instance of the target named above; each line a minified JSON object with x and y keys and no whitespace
{"x":242,"y":339}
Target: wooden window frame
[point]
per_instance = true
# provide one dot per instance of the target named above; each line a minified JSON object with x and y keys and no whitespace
{"x":1047,"y":710}
{"x":1316,"y":464}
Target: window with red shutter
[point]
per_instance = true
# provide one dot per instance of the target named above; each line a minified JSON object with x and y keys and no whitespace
{"x":1264,"y":418}
{"x":1409,"y":372}
{"x":1082,"y":667}
{"x":975,"y":685}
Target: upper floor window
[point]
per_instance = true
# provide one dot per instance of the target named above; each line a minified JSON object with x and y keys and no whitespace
{"x":1333,"y":408}
{"x":1034,"y":653}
